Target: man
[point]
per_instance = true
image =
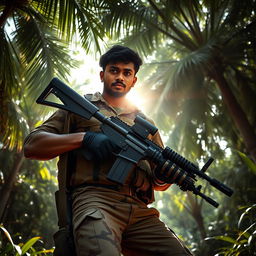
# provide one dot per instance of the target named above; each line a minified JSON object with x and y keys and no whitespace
{"x":108,"y":219}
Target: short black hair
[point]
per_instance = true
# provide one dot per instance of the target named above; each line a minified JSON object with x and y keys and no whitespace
{"x":119,"y":53}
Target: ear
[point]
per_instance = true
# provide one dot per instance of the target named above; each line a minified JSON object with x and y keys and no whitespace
{"x":134,"y":81}
{"x":101,"y":75}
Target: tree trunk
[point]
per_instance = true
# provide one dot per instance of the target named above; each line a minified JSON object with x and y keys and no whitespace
{"x":238,"y":115}
{"x":195,"y":210}
{"x":8,"y":186}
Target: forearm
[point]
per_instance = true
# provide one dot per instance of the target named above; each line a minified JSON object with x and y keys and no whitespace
{"x":159,"y":185}
{"x":45,"y":146}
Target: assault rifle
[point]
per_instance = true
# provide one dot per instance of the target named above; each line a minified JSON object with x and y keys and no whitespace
{"x":134,"y":144}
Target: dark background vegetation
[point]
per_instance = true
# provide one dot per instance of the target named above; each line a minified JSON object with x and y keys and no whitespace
{"x":200,"y":86}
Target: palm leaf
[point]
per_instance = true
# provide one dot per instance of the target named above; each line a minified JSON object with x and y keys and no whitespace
{"x":29,"y":244}
{"x":9,"y":83}
{"x":73,"y":16}
{"x":44,"y":54}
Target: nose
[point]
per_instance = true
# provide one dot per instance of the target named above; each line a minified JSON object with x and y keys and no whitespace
{"x":120,"y":77}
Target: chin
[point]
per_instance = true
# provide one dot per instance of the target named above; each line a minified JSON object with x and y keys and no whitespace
{"x":118,"y":94}
{"x":114,"y":93}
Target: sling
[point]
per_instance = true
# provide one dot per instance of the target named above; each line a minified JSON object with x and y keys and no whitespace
{"x":63,"y":238}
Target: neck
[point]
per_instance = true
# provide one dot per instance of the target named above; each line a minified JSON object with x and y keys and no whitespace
{"x":116,"y":102}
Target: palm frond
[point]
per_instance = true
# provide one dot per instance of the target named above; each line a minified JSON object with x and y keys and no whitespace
{"x":9,"y":83}
{"x":17,"y":127}
{"x":71,"y":17}
{"x":9,"y":59}
{"x":43,"y":54}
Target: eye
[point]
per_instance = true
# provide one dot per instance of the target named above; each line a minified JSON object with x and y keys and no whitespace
{"x":127,"y":73}
{"x":113,"y":70}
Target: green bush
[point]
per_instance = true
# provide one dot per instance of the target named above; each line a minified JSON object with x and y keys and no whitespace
{"x":9,"y":248}
{"x":244,"y":242}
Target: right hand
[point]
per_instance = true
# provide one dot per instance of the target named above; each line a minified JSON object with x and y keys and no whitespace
{"x":100,"y":145}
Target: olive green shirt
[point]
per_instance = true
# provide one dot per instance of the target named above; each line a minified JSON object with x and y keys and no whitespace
{"x":84,"y":171}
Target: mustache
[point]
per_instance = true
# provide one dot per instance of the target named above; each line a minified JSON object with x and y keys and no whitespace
{"x":118,"y":83}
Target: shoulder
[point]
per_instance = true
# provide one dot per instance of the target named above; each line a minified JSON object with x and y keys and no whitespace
{"x":88,"y":96}
{"x":94,"y":97}
{"x":156,"y":137}
{"x":141,"y":114}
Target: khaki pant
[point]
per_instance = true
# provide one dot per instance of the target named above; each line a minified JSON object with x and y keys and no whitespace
{"x":107,"y":223}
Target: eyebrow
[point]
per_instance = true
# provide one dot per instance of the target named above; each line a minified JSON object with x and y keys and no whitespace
{"x":126,"y":69}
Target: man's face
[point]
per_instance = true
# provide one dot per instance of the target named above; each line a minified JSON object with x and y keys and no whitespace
{"x":118,"y":78}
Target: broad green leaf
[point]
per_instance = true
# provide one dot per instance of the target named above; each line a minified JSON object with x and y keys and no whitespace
{"x":252,"y":239}
{"x":225,"y":238}
{"x":29,"y":244}
{"x":43,"y":251}
{"x":245,"y":233}
{"x":45,"y":174}
{"x":16,"y":247}
{"x":248,"y":162}
{"x":245,"y":213}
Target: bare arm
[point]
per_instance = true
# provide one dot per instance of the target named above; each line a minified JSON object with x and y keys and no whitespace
{"x":44,"y":145}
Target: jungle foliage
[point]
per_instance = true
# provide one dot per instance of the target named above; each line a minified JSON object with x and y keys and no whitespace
{"x":198,"y":72}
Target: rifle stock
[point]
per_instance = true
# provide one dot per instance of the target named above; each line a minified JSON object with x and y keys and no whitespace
{"x":70,"y":99}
